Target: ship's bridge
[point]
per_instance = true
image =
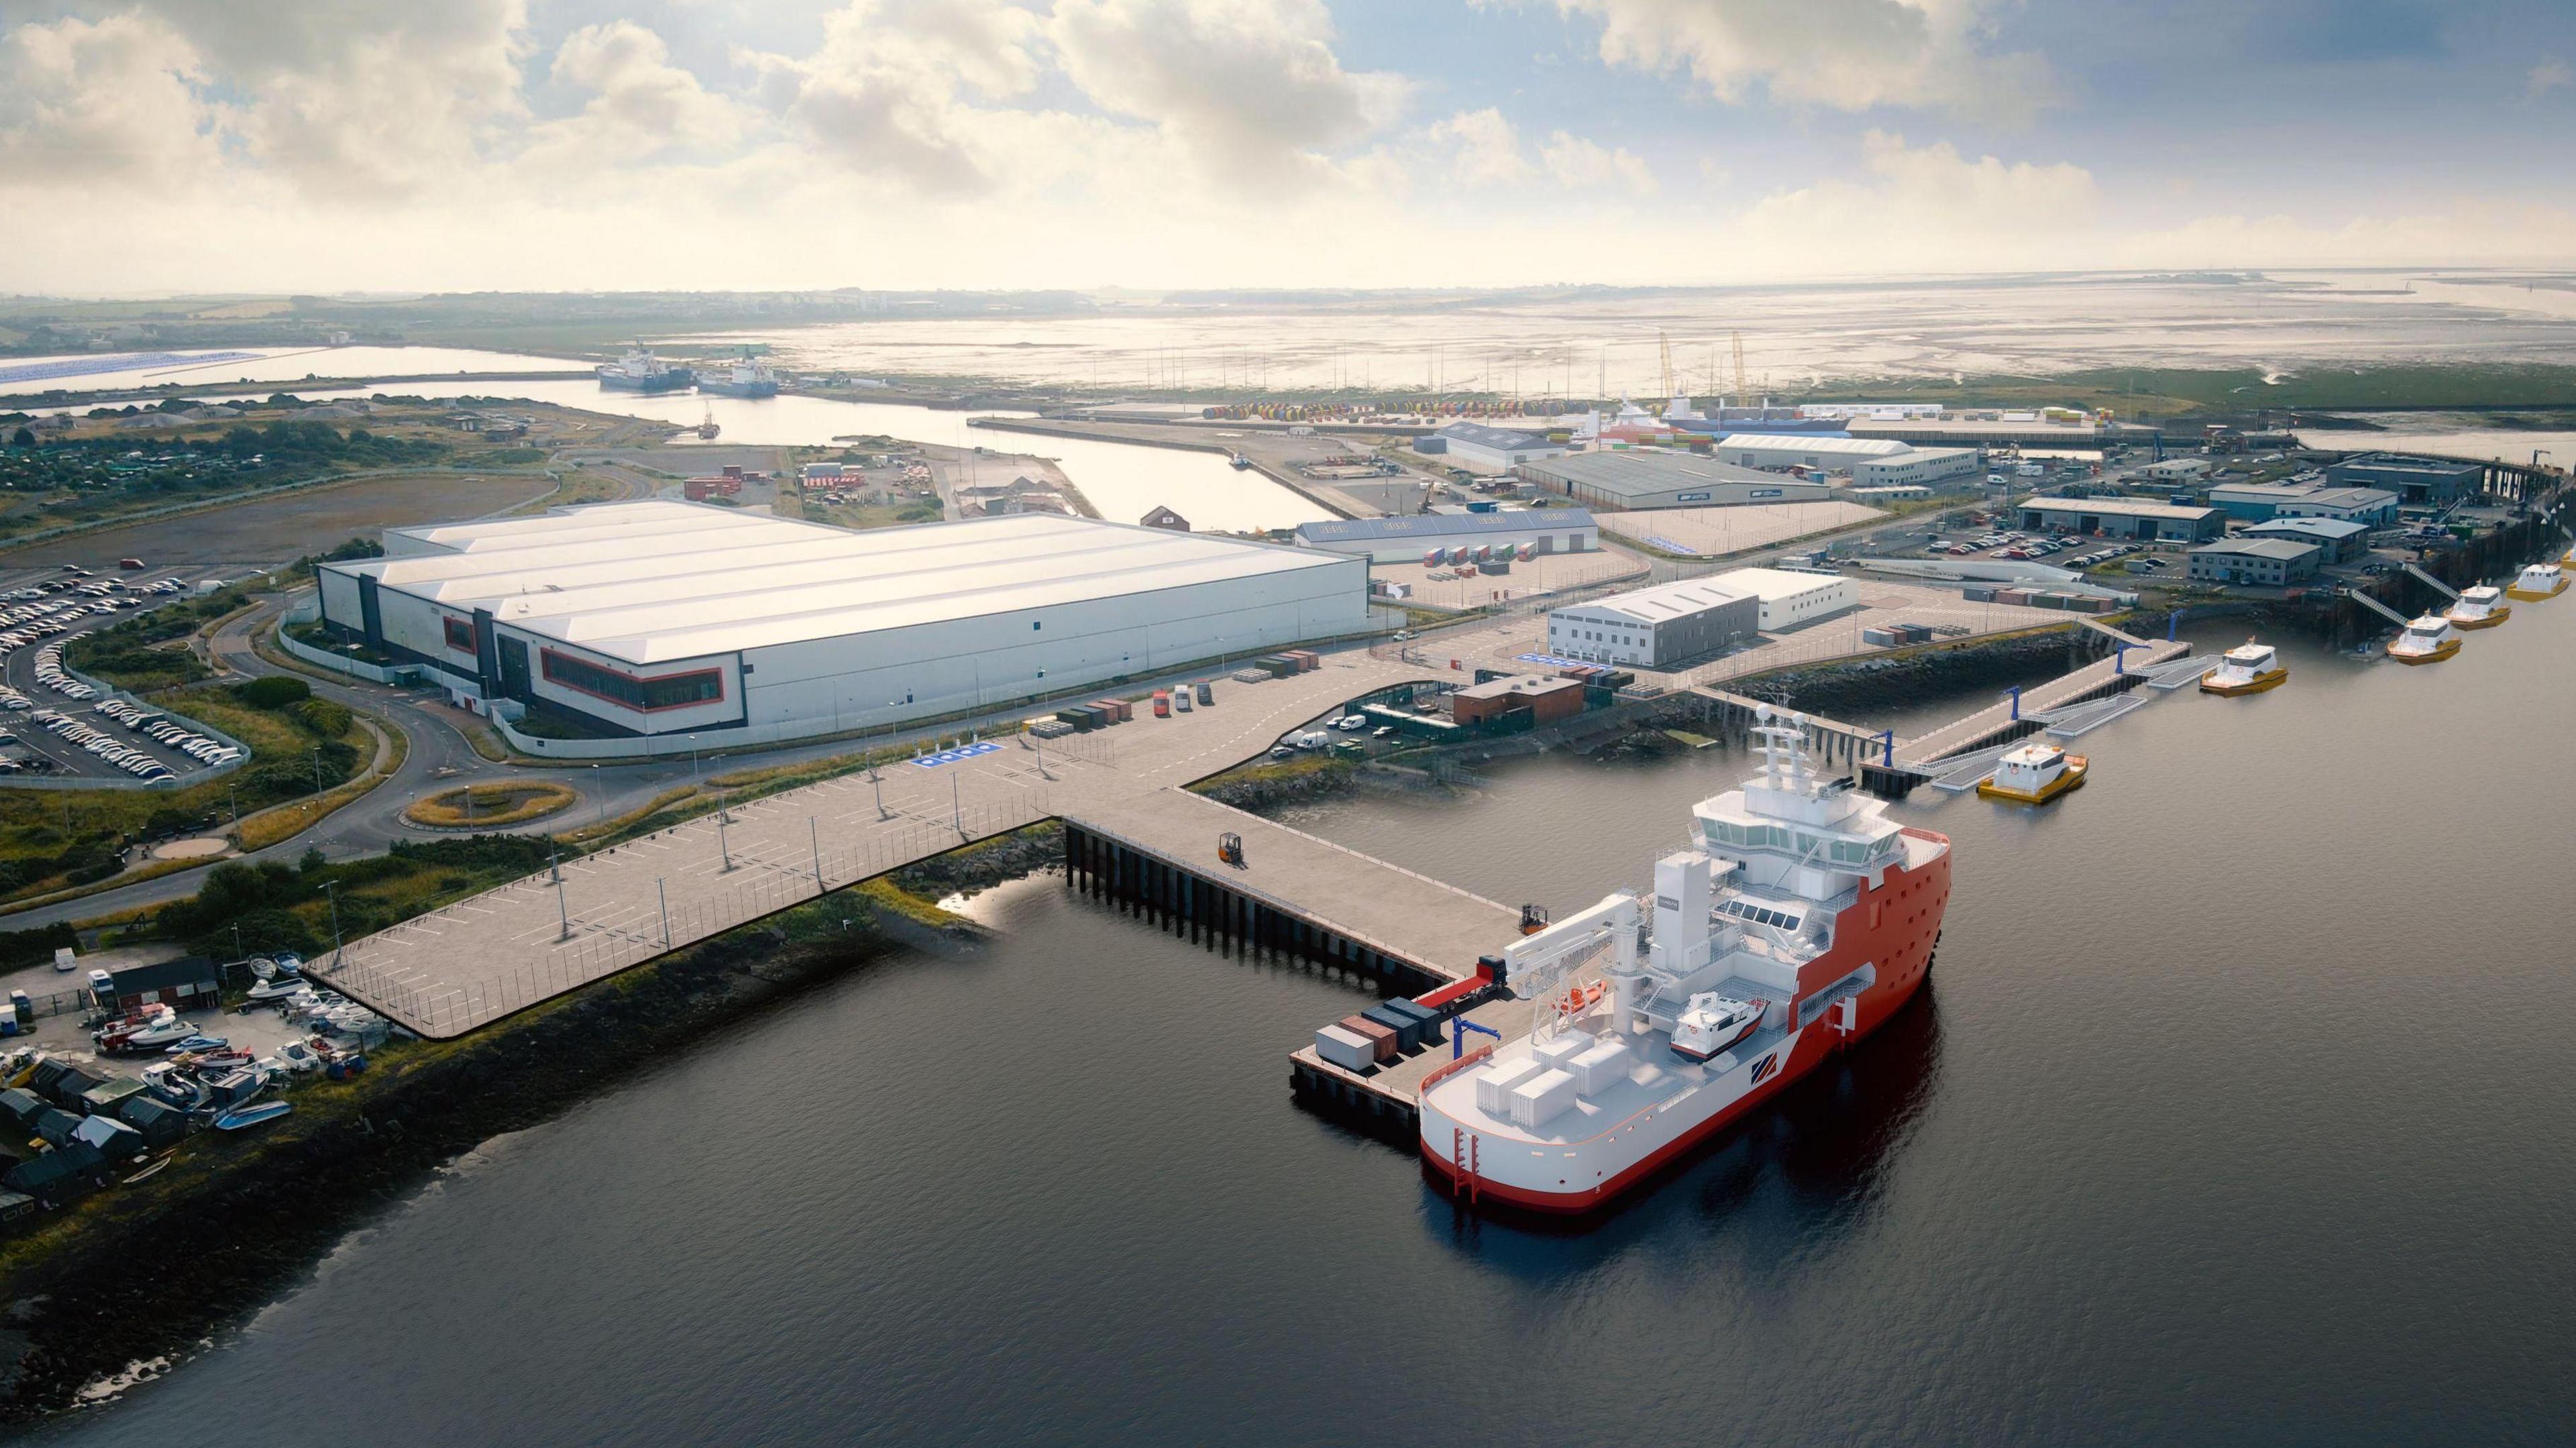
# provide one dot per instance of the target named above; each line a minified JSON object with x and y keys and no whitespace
{"x":1845,"y":832}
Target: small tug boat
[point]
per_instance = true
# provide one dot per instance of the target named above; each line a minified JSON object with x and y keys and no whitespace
{"x":2428,"y":640}
{"x":2034,"y":774}
{"x":2479,"y":607}
{"x":2248,"y":668}
{"x":1713,"y":1023}
{"x":2539,"y":580}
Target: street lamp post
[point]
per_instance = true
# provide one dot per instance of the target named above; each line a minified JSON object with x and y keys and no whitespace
{"x":331,"y":891}
{"x":814,"y":838}
{"x":563,"y":912}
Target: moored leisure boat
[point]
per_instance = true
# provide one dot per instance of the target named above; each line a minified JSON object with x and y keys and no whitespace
{"x":2034,"y":774}
{"x":2479,"y":607}
{"x":2538,"y":580}
{"x":2248,"y":668}
{"x":2428,"y":640}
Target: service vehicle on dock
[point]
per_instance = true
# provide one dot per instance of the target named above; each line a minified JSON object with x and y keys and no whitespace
{"x":1802,"y":919}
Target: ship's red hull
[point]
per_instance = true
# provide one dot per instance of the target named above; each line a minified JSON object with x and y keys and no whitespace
{"x":1899,"y":938}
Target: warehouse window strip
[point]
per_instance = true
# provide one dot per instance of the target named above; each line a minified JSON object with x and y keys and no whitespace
{"x":667,"y":691}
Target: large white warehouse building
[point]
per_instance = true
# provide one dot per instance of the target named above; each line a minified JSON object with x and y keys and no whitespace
{"x":665,"y":617}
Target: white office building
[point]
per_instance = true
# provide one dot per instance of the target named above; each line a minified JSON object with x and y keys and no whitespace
{"x":1789,"y":598}
{"x":1652,"y":628}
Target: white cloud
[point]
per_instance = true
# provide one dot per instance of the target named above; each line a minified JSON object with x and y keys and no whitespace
{"x":2545,"y":77}
{"x":640,"y":104}
{"x":363,"y":99}
{"x":1251,"y":88}
{"x":886,"y":94}
{"x":1852,"y":55}
{"x":1577,"y":162}
{"x":106,"y":103}
{"x":1481,"y":147}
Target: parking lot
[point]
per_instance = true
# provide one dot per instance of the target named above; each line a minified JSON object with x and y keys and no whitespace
{"x":52,"y":725}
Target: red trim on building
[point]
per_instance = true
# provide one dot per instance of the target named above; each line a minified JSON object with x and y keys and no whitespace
{"x":546,"y":658}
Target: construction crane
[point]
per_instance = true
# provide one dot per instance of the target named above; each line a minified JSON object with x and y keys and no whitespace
{"x":1740,"y":394}
{"x":1667,"y":344}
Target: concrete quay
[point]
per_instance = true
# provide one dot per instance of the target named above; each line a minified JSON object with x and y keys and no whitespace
{"x":475,"y":961}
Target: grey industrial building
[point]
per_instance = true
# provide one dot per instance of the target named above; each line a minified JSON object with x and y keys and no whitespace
{"x":2339,"y":540}
{"x":1482,"y":449}
{"x":1640,"y":478}
{"x":2434,"y":482}
{"x":1655,"y":627}
{"x":2263,"y":502}
{"x":669,"y":618}
{"x":1405,"y":540}
{"x":2125,"y":518}
{"x":2272,"y":562}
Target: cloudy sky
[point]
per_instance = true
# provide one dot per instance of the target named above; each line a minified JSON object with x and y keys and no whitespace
{"x":470,"y":144}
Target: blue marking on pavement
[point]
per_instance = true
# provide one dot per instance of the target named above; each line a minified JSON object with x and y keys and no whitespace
{"x":952,"y":756}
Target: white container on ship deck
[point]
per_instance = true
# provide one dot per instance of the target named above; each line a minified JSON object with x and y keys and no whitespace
{"x":1346,"y":1049}
{"x":1602,"y":1067}
{"x":1558,"y":1049}
{"x":1542,"y":1098}
{"x":1494,"y":1084}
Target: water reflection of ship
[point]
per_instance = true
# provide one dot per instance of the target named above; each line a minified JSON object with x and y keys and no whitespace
{"x":1821,"y":1150}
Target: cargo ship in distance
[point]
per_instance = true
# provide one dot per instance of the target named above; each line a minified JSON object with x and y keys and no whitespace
{"x":1799,"y":923}
{"x":747,"y":376}
{"x":641,"y":371}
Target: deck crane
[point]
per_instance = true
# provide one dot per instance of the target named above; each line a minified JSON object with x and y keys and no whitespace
{"x":1541,"y":968}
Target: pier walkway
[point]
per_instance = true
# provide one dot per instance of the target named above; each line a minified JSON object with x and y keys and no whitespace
{"x":1987,"y":725}
{"x":1381,"y":916}
{"x":472,"y":962}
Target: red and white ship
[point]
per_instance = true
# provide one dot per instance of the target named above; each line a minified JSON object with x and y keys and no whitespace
{"x":1800,"y":897}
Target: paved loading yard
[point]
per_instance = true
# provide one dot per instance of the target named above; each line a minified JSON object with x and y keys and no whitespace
{"x":470,"y":963}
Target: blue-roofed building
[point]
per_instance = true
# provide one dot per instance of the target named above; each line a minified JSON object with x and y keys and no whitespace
{"x":1406,"y":540}
{"x":1482,"y":449}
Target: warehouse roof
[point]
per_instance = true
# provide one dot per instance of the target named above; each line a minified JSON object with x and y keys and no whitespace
{"x":2281,"y":548}
{"x":1664,"y":600}
{"x":1444,"y":525}
{"x":1851,"y":447}
{"x":657,"y":581}
{"x":1500,"y":439}
{"x":2117,"y":508}
{"x":1637,"y":472}
{"x":1773,"y":584}
{"x":2333,"y":528}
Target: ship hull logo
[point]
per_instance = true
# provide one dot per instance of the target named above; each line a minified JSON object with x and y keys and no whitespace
{"x":1769,"y":1064}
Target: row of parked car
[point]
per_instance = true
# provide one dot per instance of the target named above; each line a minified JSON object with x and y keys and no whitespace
{"x":105,"y":745}
{"x":51,"y":674}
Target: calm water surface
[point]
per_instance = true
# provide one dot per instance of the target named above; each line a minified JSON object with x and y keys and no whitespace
{"x":2237,"y":1112}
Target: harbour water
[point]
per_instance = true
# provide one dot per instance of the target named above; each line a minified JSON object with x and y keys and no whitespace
{"x":2235,"y":1113}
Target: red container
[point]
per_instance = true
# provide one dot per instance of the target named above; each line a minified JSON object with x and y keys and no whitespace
{"x":1380,"y":1039}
